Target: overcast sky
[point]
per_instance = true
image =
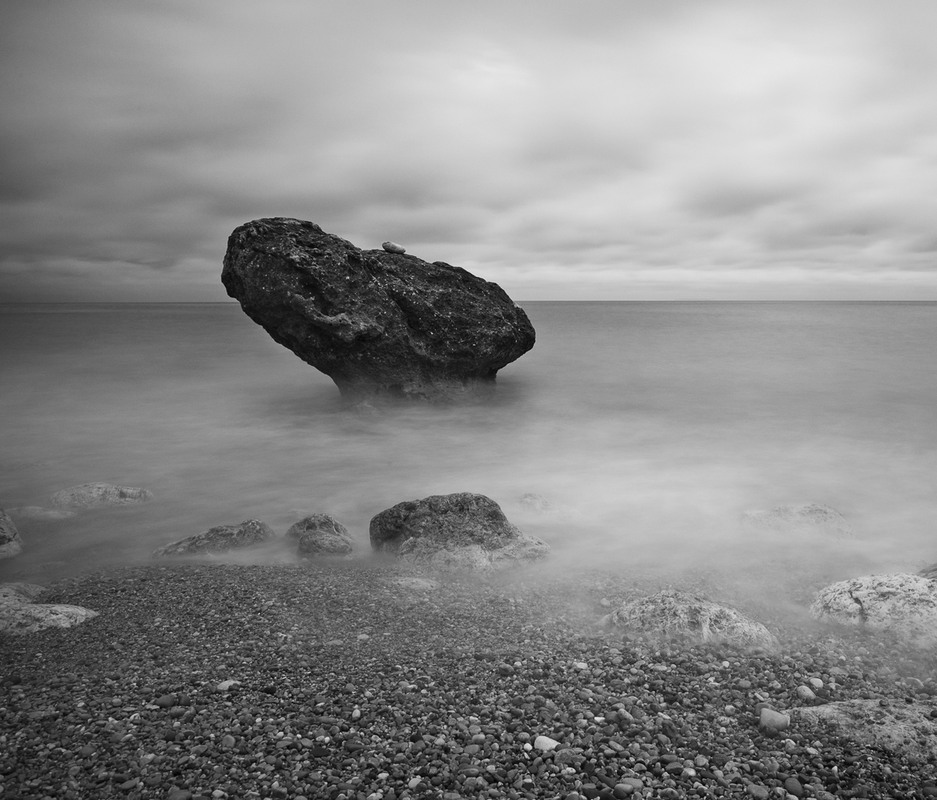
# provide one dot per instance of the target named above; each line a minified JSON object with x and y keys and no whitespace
{"x":566,"y":150}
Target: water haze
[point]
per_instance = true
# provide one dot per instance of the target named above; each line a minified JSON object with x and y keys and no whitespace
{"x":633,"y":433}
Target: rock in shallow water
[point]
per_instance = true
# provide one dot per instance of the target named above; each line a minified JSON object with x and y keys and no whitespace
{"x":97,"y":495}
{"x":321,"y":535}
{"x":376,"y":322}
{"x":220,"y":539}
{"x":902,"y":603}
{"x":671,"y":612}
{"x":462,"y":531}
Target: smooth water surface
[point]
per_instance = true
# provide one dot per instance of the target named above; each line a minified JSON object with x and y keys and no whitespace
{"x":646,"y":427}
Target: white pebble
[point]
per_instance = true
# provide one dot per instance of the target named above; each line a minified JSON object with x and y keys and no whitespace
{"x":545,"y":743}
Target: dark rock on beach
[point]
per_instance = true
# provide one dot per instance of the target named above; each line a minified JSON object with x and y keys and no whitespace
{"x":10,"y":542}
{"x":378,"y":322}
{"x":453,"y":531}
{"x":220,"y":539}
{"x":321,"y":535}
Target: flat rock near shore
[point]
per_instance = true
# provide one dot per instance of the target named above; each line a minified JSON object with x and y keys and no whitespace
{"x":352,"y":678}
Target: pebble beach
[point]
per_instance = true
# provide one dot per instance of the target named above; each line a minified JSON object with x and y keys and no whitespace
{"x":363,"y":679}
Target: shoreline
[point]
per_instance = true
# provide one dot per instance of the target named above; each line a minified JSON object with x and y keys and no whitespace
{"x":351,"y":683}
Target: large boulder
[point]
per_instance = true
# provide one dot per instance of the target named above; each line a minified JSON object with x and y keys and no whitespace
{"x":673,"y":613}
{"x":898,"y":728}
{"x":10,"y":542}
{"x":220,"y":539}
{"x":902,"y":603}
{"x":19,"y":613}
{"x":320,"y":535}
{"x":378,"y":322}
{"x":461,"y":531}
{"x":99,"y":495}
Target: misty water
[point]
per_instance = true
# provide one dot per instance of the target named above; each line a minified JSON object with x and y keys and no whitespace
{"x":642,"y":429}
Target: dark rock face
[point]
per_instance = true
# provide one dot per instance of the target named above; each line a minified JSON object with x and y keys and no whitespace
{"x":219,"y":539}
{"x":10,"y":542}
{"x":377,"y":322}
{"x":321,"y":535}
{"x":453,"y":531}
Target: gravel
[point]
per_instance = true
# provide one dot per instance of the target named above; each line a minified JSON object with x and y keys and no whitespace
{"x":342,"y":681}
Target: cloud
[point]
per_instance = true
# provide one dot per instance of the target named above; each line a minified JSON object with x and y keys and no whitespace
{"x":602,"y":149}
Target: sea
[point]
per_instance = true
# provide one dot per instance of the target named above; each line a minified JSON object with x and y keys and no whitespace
{"x":633,"y":432}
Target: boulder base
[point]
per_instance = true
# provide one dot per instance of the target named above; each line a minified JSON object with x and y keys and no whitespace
{"x":219,"y":539}
{"x":462,"y":531}
{"x":377,"y":322}
{"x":670,"y":613}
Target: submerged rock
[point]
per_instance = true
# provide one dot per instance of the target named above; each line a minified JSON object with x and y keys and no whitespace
{"x":20,"y":614}
{"x":376,"y":322}
{"x":462,"y":531}
{"x":929,"y":571}
{"x":10,"y":542}
{"x":321,"y":535}
{"x":809,"y":519}
{"x":40,"y":514}
{"x":670,"y":613}
{"x":902,"y":603}
{"x":97,"y":495}
{"x":898,"y":728}
{"x":220,"y":539}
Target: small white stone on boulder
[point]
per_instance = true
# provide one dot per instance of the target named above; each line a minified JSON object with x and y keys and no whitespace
{"x":393,"y":247}
{"x":903,"y":603}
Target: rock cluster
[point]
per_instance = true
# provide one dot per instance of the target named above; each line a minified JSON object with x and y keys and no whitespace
{"x":453,"y":532}
{"x":378,"y":322}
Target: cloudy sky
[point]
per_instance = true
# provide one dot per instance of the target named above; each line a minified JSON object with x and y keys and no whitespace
{"x":566,"y":150}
